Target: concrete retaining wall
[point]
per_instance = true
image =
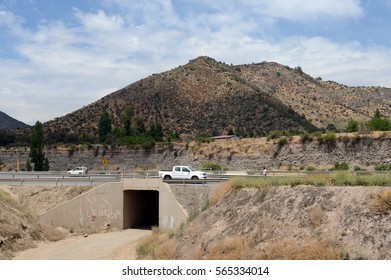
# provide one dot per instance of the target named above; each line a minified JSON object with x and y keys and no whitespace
{"x":128,"y":204}
{"x":171,"y":213}
{"x":103,"y":204}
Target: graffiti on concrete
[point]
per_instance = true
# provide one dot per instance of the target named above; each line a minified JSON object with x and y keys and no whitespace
{"x":97,"y":208}
{"x":168,"y":221}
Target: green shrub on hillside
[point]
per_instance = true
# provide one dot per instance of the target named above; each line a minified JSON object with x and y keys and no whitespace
{"x":274,"y":134}
{"x":306,"y":137}
{"x":204,"y":139}
{"x":330,"y":137}
{"x":379,"y":123}
{"x":353,"y":126}
{"x":211,"y":165}
{"x":383,"y":166}
{"x":310,"y":168}
{"x":343,"y":166}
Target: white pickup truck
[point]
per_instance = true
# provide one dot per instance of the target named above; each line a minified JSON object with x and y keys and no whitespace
{"x":182,"y":172}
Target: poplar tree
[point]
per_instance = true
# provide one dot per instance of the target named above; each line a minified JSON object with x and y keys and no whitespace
{"x":36,"y":148}
{"x":104,"y":127}
{"x":127,"y":120}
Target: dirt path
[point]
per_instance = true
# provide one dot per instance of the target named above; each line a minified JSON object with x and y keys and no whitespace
{"x":120,"y":245}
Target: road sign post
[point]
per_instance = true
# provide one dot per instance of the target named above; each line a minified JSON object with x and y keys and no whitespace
{"x":105,"y":162}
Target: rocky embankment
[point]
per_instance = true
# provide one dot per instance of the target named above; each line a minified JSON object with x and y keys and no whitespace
{"x":238,"y":154}
{"x":301,"y":222}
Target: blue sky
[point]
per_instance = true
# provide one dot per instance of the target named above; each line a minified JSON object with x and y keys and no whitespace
{"x":58,"y":56}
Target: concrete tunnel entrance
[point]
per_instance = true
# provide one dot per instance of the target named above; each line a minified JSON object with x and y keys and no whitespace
{"x":141,"y":209}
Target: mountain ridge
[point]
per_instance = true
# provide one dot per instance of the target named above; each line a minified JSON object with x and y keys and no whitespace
{"x":207,"y":97}
{"x":201,"y":97}
{"x":8,"y":122}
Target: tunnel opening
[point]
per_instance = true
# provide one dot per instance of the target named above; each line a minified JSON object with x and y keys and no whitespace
{"x":141,"y":209}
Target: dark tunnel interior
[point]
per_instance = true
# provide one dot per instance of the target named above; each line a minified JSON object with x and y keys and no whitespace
{"x":141,"y":209}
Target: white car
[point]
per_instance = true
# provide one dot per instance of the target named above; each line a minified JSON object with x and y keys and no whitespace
{"x":78,"y":170}
{"x":183,"y":172}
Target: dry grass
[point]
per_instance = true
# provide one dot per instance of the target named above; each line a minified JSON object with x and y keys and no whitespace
{"x":194,"y":231}
{"x":232,"y":248}
{"x":316,"y":217}
{"x":242,"y":248}
{"x":218,"y":192}
{"x":382,"y":201}
{"x":167,"y":250}
{"x":51,"y":233}
{"x":158,"y":246}
{"x":310,"y":249}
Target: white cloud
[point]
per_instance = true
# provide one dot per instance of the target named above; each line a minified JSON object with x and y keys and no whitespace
{"x":9,"y":20}
{"x":64,"y":67}
{"x":304,"y":10}
{"x":99,"y":21}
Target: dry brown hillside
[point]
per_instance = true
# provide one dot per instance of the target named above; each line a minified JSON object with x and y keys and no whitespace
{"x":210,"y":97}
{"x":282,"y":222}
{"x":321,"y":102}
{"x":201,"y":97}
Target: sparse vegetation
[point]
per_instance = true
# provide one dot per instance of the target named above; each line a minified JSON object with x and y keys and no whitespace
{"x":379,"y":123}
{"x":382,"y":202}
{"x":218,"y":192}
{"x":19,"y":228}
{"x":311,"y":249}
{"x":158,"y":246}
{"x":343,"y":166}
{"x":330,"y":139}
{"x":204,"y":139}
{"x":310,"y":168}
{"x":383,"y":167}
{"x":274,"y":134}
{"x":315,"y":179}
{"x":353,"y":126}
{"x":211,"y":166}
{"x":316,"y":216}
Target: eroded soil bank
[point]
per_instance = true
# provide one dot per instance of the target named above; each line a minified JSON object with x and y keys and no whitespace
{"x":270,"y":222}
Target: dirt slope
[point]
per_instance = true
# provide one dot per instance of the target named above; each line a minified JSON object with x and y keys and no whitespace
{"x":268,"y":223}
{"x":20,"y":206}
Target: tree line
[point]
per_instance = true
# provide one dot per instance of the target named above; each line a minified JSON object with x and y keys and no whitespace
{"x":377,"y":123}
{"x":132,"y":132}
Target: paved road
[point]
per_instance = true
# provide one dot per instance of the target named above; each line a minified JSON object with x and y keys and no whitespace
{"x":119,"y":245}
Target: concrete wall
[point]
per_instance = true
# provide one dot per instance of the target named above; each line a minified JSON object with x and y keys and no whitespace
{"x":132,"y":203}
{"x":171,"y":213}
{"x":103,"y":204}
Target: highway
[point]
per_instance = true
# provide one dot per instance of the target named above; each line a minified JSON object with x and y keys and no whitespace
{"x":55,"y":178}
{"x":62,"y":178}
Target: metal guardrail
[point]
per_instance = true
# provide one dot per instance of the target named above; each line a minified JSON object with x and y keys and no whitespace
{"x":58,"y":178}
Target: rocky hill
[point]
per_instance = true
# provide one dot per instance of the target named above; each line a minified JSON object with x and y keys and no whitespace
{"x":210,"y":97}
{"x":201,"y":97}
{"x":7,"y":122}
{"x":321,"y":102}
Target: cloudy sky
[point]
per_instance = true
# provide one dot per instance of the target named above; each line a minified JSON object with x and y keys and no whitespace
{"x":58,"y":56}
